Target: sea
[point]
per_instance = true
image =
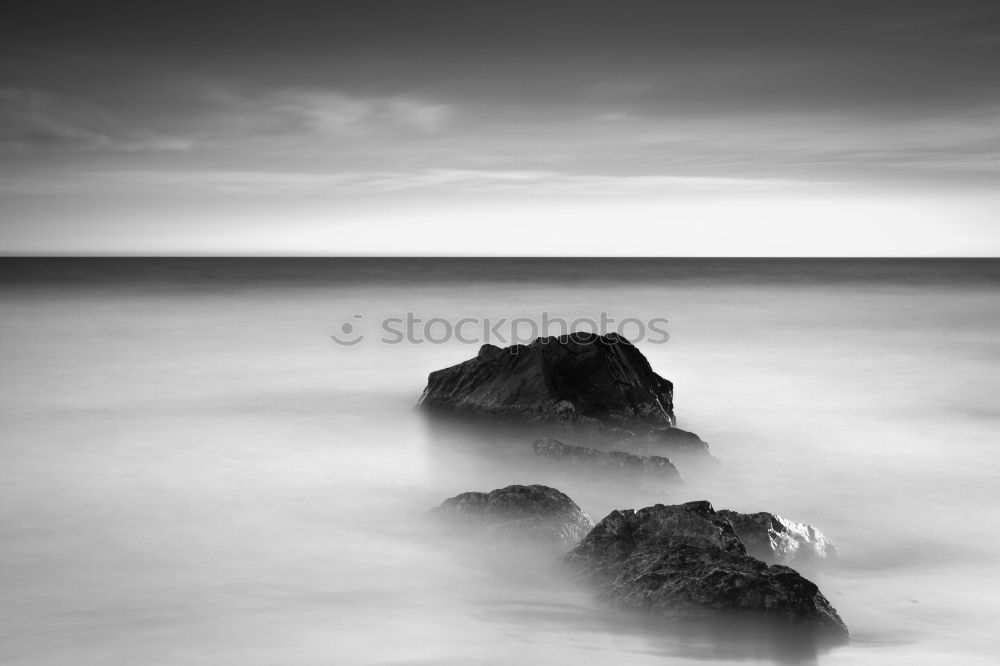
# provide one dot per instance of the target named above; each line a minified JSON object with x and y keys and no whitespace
{"x":218,"y":460}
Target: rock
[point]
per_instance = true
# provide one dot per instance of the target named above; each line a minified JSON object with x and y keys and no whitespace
{"x":538,"y":513}
{"x":686,"y":561}
{"x":775,"y":539}
{"x":553,"y":449}
{"x":676,"y":439}
{"x":600,"y":384}
{"x":567,"y":377}
{"x":643,"y":440}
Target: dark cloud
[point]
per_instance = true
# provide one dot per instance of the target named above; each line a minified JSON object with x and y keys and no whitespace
{"x":765,"y":53}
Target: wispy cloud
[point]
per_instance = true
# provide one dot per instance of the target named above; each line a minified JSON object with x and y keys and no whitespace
{"x":339,"y":142}
{"x":557,"y":182}
{"x":840,"y":146}
{"x":38,"y":120}
{"x":447,"y":180}
{"x":325,"y":114}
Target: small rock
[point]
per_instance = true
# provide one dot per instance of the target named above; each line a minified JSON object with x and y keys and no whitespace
{"x":553,"y":449}
{"x":536,"y":512}
{"x":775,"y":539}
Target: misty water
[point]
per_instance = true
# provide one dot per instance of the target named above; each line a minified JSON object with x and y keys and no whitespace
{"x":194,"y":472}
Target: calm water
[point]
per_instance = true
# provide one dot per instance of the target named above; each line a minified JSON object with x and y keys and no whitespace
{"x":194,"y":472}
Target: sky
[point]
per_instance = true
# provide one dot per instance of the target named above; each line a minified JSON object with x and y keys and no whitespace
{"x":461,"y":127}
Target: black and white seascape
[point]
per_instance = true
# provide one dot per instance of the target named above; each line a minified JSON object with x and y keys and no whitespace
{"x":194,"y":472}
{"x":383,"y":333}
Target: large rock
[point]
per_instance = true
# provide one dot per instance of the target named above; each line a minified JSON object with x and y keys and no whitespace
{"x":537,"y":513}
{"x":686,"y":561}
{"x":600,"y":384}
{"x":571,"y":376}
{"x":657,"y":466}
{"x":775,"y":539}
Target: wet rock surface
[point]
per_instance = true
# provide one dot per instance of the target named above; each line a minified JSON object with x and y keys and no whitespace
{"x":600,"y":386}
{"x":687,"y":562}
{"x":580,"y":375}
{"x":774,"y":539}
{"x":595,"y":459}
{"x":536,"y":513}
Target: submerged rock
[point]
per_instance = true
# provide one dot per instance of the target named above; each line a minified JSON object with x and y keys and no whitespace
{"x":535,"y":512}
{"x":601,"y":384}
{"x":686,"y":561}
{"x":641,"y":439}
{"x":775,"y":539}
{"x":553,"y":449}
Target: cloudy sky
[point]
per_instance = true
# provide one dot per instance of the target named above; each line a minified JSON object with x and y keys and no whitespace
{"x":468,"y":127}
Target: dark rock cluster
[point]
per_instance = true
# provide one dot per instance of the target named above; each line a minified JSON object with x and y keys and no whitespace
{"x":687,"y":561}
